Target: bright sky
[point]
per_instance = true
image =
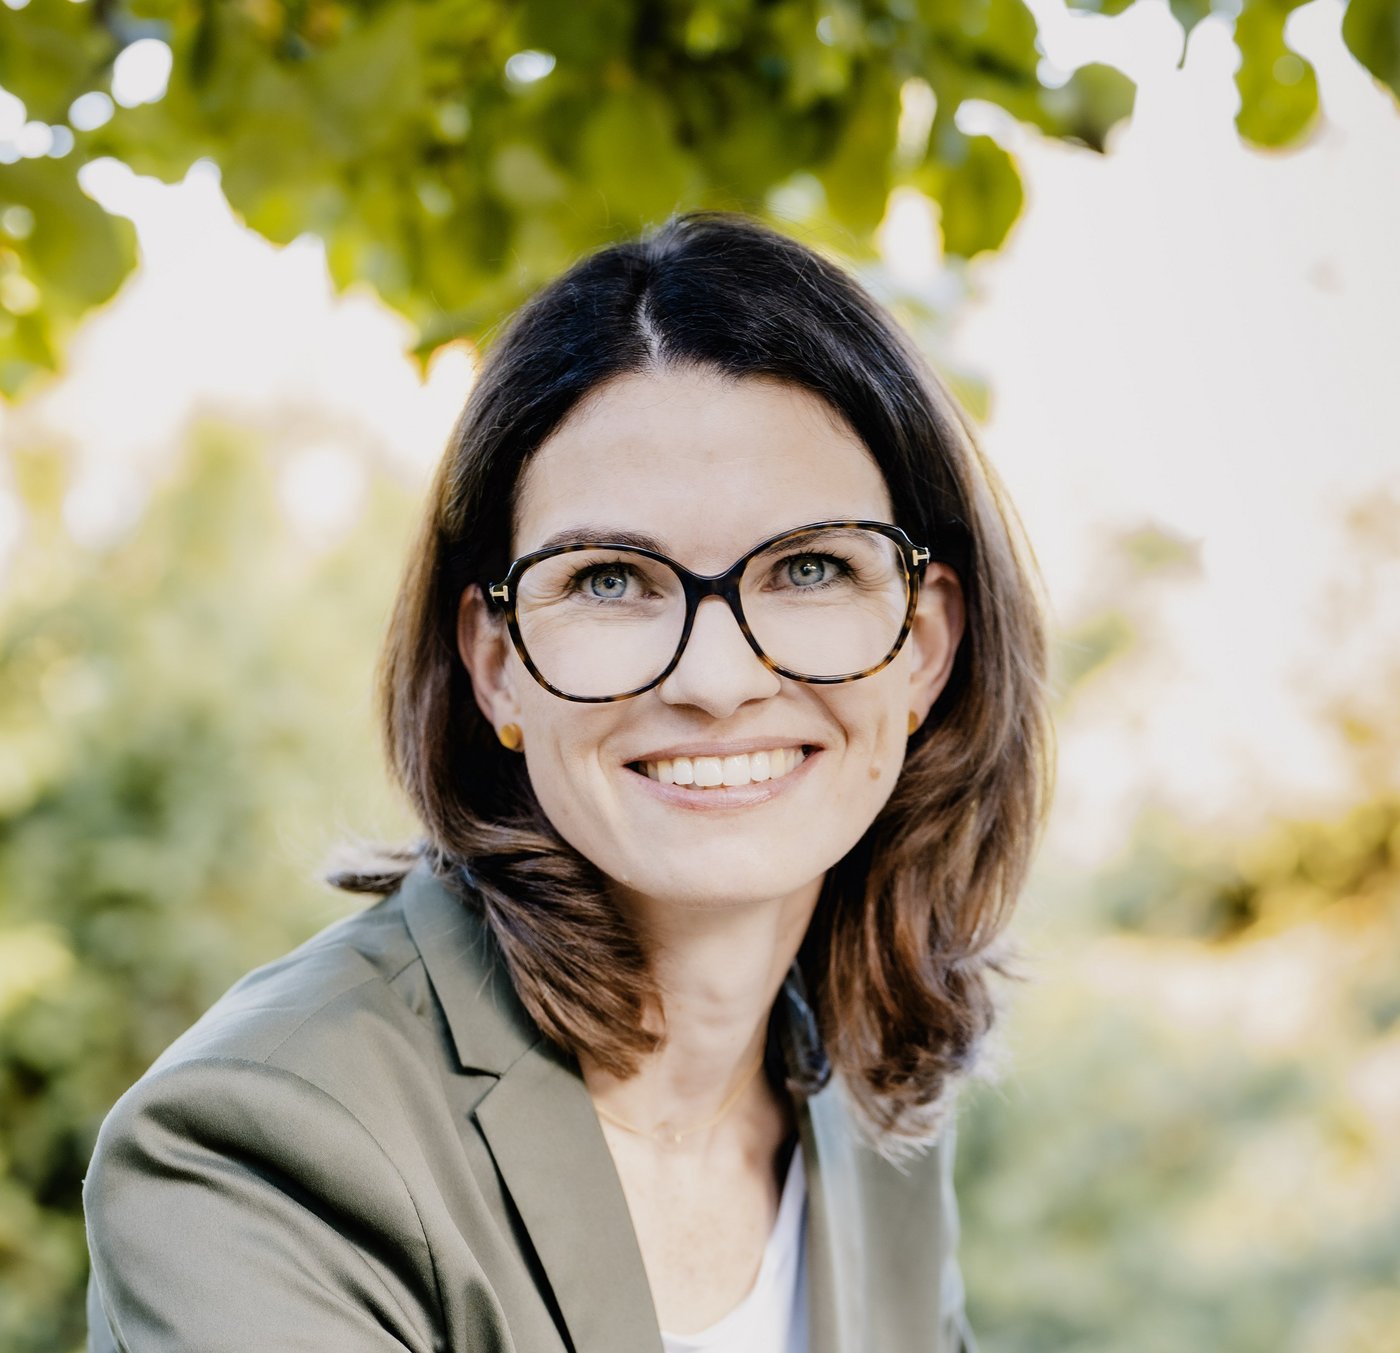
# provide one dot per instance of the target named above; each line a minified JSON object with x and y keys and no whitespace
{"x":1182,"y":334}
{"x":1203,"y":338}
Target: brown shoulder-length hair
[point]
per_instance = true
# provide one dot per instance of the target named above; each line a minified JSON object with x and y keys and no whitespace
{"x":895,"y":962}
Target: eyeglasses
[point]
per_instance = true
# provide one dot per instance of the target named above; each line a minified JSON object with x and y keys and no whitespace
{"x":824,"y":603}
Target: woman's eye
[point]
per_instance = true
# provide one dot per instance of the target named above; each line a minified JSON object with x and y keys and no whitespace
{"x":807,"y":570}
{"x":606,"y":583}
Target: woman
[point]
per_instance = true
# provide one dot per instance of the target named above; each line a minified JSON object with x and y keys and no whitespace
{"x":716,"y":682}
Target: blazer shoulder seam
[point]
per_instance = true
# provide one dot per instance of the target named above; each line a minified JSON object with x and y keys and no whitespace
{"x":311,"y":1014}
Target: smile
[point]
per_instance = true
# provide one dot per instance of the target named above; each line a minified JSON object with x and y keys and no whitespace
{"x":717,"y":772}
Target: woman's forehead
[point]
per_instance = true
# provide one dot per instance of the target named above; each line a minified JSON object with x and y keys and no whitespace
{"x":697,"y":462}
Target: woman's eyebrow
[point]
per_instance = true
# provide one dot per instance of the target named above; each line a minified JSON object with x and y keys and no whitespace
{"x":603,"y":535}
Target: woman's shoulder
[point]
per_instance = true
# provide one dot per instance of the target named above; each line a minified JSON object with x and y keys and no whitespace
{"x":371,"y":1011}
{"x":303,"y":1126}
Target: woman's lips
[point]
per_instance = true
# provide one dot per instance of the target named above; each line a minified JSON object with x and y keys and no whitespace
{"x":723,"y":796}
{"x":705,"y":771}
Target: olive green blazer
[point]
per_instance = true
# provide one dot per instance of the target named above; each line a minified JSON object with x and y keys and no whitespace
{"x":368,"y":1145}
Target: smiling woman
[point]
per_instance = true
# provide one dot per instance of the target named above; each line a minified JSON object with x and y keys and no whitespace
{"x":716,"y":681}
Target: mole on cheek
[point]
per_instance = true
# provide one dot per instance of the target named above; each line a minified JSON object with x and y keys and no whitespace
{"x":875,"y":772}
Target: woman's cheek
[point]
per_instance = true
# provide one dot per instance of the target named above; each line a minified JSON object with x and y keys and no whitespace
{"x":875,"y":745}
{"x":571,"y":785}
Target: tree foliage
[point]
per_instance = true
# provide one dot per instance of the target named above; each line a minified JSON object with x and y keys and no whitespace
{"x":453,"y":153}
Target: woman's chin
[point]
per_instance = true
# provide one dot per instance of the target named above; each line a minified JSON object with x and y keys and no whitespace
{"x":711,"y":885}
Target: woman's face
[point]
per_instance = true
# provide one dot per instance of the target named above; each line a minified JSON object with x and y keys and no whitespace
{"x":710,"y":467}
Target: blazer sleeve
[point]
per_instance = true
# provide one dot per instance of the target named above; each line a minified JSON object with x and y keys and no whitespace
{"x":233,"y":1206}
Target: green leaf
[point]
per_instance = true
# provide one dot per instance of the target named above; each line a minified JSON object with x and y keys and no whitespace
{"x":1089,"y":105}
{"x":1371,"y":29}
{"x":631,"y":158}
{"x":584,"y":35}
{"x":1107,"y":7}
{"x":50,"y":52}
{"x":1278,"y":88}
{"x":525,"y":178}
{"x":813,"y":69}
{"x":72,"y":256}
{"x":857,"y":175}
{"x":980,"y":196}
{"x":1188,"y":13}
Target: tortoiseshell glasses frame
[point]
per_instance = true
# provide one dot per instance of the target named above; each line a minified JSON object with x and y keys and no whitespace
{"x":502,"y":596}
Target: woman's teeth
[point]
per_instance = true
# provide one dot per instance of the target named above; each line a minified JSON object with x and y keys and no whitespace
{"x":707,"y":772}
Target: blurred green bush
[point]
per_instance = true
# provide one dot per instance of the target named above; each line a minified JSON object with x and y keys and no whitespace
{"x":1197,"y":1141}
{"x":186,"y":727}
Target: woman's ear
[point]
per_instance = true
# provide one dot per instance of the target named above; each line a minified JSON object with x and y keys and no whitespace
{"x":939,"y":621}
{"x":483,"y":642}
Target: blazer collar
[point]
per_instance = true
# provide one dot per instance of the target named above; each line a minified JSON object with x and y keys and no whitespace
{"x":545,"y":1137}
{"x":489,"y":1025}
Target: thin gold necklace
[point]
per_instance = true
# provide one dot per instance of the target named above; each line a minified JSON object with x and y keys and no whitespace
{"x":665,"y":1133}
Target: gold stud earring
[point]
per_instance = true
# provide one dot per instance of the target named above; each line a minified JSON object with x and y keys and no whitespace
{"x":913,"y":721}
{"x":511,"y":737}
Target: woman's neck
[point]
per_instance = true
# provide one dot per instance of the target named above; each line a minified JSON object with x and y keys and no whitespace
{"x":719,"y":972}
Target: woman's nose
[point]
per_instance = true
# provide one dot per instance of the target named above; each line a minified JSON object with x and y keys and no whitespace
{"x":718,"y":671}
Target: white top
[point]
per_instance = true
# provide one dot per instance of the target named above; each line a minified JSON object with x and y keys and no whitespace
{"x":772,"y":1318}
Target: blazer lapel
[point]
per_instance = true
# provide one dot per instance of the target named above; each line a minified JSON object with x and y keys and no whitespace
{"x":836,"y":1242}
{"x":835,"y":1253}
{"x":544,"y":1135}
{"x":882,"y":1239}
{"x":541,"y":1129}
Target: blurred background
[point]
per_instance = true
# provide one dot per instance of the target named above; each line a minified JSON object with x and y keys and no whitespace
{"x":248,"y":254}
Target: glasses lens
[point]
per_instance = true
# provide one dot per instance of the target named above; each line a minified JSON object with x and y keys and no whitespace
{"x":599,"y":623}
{"x":828,"y":603}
